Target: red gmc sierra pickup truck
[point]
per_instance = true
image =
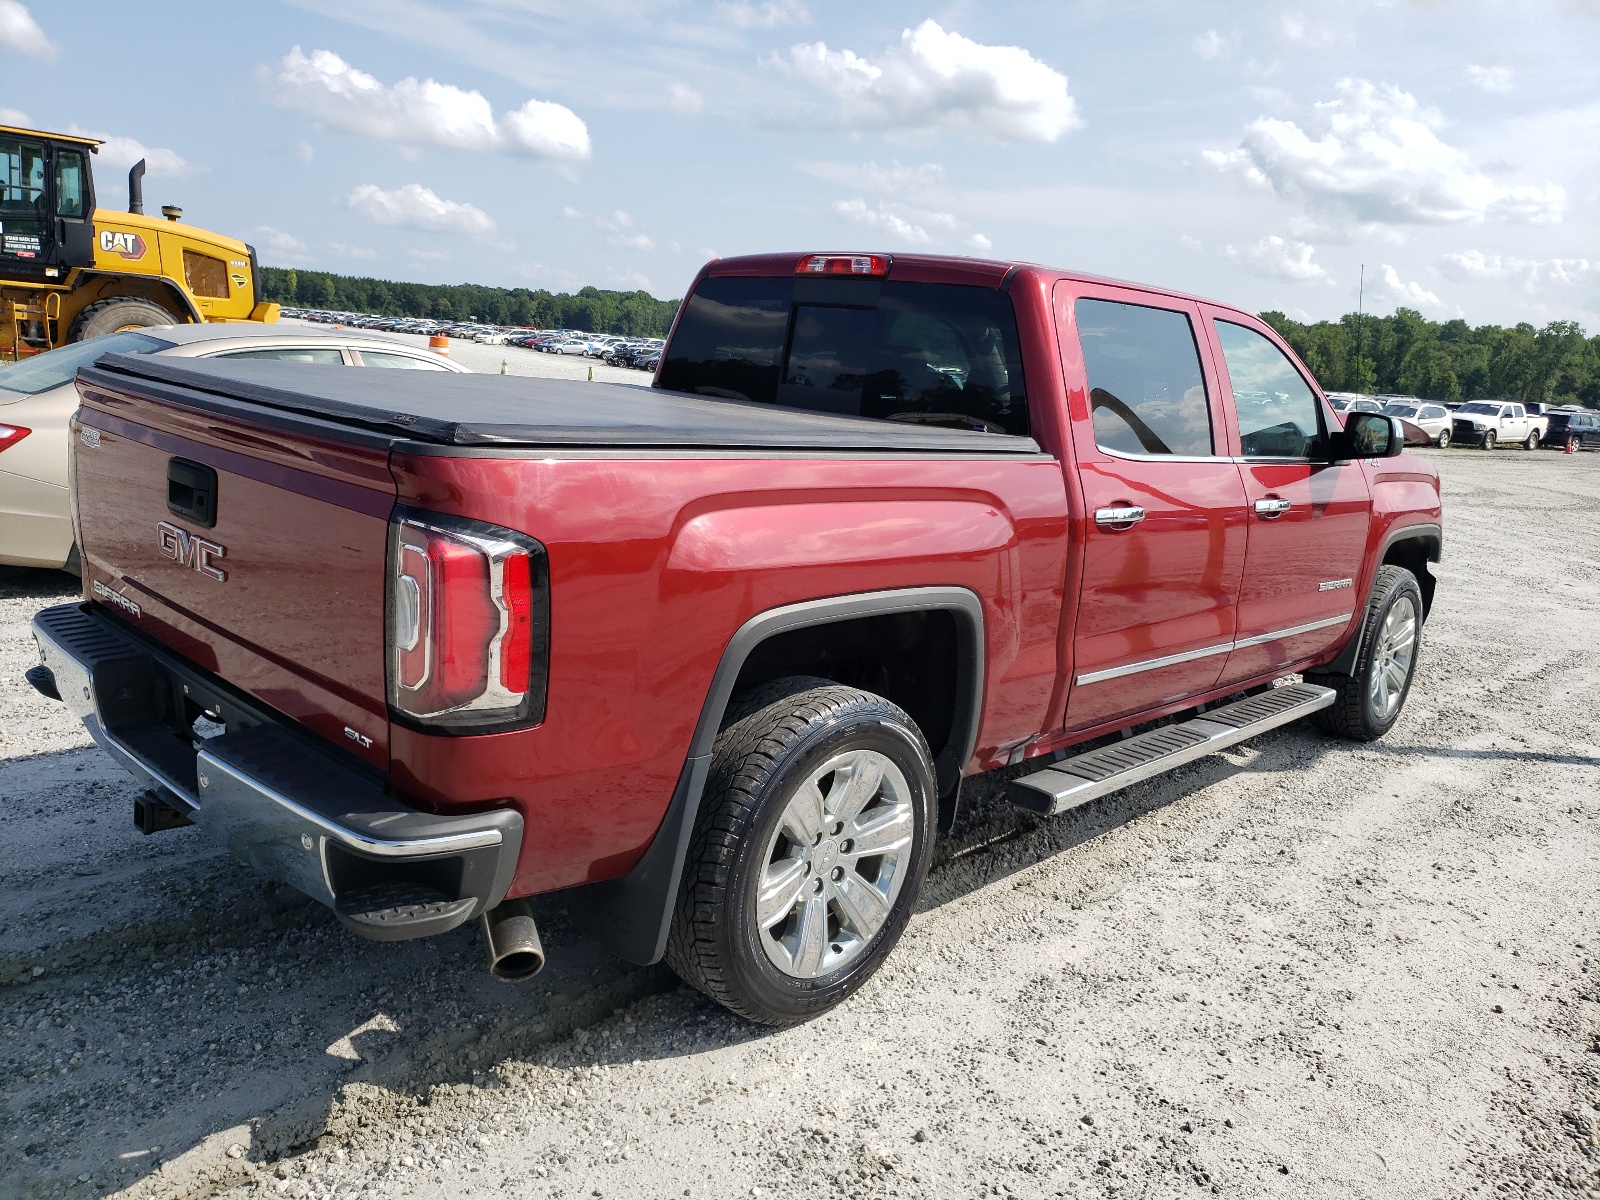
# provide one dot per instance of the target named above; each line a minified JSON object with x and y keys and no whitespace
{"x":712,"y":658}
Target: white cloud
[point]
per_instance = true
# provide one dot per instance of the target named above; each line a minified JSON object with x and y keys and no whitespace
{"x":278,"y":239}
{"x":1411,"y":295}
{"x":767,"y":15}
{"x":1472,"y":265}
{"x":634,"y":279}
{"x":1297,"y":27}
{"x":572,"y":214}
{"x":21,"y":32}
{"x":1191,"y":242}
{"x":416,"y":113}
{"x":416,"y":207}
{"x":346,"y":251}
{"x":683,"y":99}
{"x":123,"y":152}
{"x":1491,"y":79}
{"x":1372,"y":155}
{"x":304,"y":152}
{"x":893,"y":179}
{"x":1213,"y":45}
{"x":907,"y":224}
{"x":1274,"y":258}
{"x":632,"y":241}
{"x":14,"y":116}
{"x":615,"y":222}
{"x":978,"y":242}
{"x":427,"y":255}
{"x":939,"y":80}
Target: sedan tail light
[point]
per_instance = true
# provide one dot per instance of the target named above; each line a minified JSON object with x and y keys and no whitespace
{"x":10,"y":435}
{"x":468,"y":624}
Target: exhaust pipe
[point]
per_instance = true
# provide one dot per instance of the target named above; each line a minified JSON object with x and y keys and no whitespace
{"x":515,"y":952}
{"x":136,"y":188}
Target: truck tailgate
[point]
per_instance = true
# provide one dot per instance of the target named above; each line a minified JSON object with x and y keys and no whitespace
{"x":282,"y":595}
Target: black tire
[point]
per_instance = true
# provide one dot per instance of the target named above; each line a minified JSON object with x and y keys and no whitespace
{"x":786,"y":731}
{"x":119,"y":312}
{"x":1488,"y":439}
{"x":1355,"y":713}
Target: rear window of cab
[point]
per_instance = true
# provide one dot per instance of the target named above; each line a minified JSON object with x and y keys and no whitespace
{"x":921,"y":353}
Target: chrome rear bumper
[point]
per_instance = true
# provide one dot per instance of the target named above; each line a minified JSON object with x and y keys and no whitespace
{"x":270,"y":794}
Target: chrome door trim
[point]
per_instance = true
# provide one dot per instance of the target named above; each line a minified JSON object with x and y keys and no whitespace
{"x":1154,"y":664}
{"x":1310,"y":627}
{"x":1172,"y":660}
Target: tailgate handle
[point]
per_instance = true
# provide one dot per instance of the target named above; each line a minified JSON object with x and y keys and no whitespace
{"x":192,"y":491}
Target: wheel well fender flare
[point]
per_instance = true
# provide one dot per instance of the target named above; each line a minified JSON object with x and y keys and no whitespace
{"x":632,"y":914}
{"x":1432,"y":539}
{"x":182,"y":305}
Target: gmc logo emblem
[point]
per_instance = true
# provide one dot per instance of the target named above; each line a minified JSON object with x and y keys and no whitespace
{"x":196,"y":553}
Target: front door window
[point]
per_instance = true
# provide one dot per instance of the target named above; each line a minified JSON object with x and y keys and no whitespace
{"x":24,"y":221}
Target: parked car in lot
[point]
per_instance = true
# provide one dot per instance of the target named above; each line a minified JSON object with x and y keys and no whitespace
{"x":38,"y":396}
{"x":1344,"y":402}
{"x":1432,"y":419}
{"x":1579,"y":429}
{"x":1488,"y":423}
{"x":713,"y":658}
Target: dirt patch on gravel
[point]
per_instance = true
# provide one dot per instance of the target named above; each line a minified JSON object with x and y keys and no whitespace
{"x":1303,"y":968}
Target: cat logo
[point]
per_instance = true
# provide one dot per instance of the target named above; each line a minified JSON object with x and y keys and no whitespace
{"x":116,"y":241}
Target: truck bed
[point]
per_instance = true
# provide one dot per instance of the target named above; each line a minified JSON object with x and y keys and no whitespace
{"x":514,"y":410}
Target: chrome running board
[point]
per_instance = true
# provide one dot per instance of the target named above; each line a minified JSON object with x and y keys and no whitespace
{"x":1100,"y":772}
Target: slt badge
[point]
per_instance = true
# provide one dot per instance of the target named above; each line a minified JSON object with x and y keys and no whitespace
{"x":196,"y":553}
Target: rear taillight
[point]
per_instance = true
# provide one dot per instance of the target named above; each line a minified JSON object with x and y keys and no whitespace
{"x":469,"y":619}
{"x":10,"y":435}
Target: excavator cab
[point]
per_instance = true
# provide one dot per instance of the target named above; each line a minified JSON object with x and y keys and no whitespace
{"x":46,"y":205}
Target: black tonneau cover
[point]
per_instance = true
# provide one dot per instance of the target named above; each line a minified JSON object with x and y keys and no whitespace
{"x":517,"y":410}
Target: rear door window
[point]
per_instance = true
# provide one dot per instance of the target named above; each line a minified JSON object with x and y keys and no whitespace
{"x":1277,"y":410}
{"x":923,"y":353}
{"x":1146,"y":389}
{"x":320,"y":356}
{"x":403,"y":362}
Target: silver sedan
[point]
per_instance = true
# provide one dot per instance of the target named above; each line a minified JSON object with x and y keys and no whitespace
{"x":38,"y":397}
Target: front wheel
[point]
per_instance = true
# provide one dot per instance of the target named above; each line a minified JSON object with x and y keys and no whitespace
{"x":1370,"y":698}
{"x":1443,"y":440}
{"x":811,"y":843}
{"x":115,"y":314}
{"x":1488,"y":439}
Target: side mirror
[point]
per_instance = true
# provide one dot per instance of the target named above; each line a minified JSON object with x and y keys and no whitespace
{"x":1367,"y":435}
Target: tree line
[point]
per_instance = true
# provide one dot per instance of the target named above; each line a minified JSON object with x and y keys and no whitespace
{"x":1407,"y":354}
{"x":636,"y":314}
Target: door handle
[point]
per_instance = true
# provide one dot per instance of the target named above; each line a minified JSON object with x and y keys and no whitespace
{"x":1271,"y":508}
{"x":1122,"y":517}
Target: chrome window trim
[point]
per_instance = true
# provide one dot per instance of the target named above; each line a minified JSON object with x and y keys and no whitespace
{"x":1172,"y":660}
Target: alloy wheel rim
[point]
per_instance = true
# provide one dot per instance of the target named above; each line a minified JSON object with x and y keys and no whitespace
{"x":1397,"y":642}
{"x":835,"y":864}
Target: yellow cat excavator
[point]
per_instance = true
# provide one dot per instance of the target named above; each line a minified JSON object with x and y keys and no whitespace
{"x":70,"y":270}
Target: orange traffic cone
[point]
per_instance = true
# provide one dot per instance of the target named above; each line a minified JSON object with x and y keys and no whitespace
{"x":439,"y":344}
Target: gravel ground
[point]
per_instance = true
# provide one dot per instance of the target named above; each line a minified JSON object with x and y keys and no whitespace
{"x":1301,"y":968}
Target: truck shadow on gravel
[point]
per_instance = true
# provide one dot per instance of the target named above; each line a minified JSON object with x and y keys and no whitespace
{"x":217,"y":1025}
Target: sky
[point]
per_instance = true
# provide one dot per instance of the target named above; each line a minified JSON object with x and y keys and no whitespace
{"x":1437,"y":155}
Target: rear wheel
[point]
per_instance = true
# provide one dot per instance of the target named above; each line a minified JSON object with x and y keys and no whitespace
{"x":1370,"y":698}
{"x":809,"y":849}
{"x":1488,"y":439}
{"x":120,"y":312}
{"x":1533,"y":441}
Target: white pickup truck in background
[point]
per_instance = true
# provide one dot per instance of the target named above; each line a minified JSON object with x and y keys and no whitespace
{"x":1487,"y":423}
